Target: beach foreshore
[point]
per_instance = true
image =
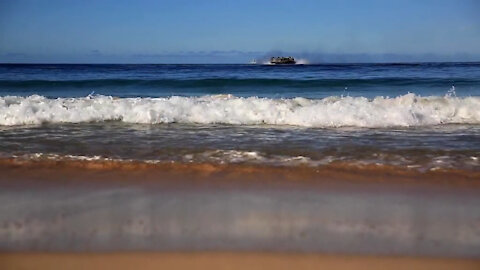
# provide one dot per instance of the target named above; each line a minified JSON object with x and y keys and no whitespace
{"x":58,"y":209}
{"x":223,"y":260}
{"x":177,"y":174}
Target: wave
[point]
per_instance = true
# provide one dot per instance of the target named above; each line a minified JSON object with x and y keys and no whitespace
{"x":406,"y":110}
{"x":421,"y":161}
{"x":236,"y":82}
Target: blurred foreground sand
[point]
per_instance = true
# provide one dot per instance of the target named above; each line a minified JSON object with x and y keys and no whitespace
{"x":221,"y":260}
{"x":235,"y":217}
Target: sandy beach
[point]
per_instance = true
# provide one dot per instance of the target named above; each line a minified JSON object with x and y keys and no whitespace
{"x":85,"y":206}
{"x":223,"y":260}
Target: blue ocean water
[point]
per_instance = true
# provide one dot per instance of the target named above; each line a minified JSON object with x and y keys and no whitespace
{"x":310,"y":81}
{"x":421,"y":116}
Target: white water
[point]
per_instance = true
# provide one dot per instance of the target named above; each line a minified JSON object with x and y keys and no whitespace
{"x":406,"y":110}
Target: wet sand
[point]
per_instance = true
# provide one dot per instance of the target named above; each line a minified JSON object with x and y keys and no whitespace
{"x":224,"y":260}
{"x":240,"y":175}
{"x":91,"y":214}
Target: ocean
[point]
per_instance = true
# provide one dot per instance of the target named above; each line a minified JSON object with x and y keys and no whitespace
{"x":419,"y":117}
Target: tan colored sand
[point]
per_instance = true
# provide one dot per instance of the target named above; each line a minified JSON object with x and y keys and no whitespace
{"x":224,"y":261}
{"x":231,"y":174}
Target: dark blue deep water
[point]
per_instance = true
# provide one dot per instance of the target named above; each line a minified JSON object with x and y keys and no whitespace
{"x":311,"y":81}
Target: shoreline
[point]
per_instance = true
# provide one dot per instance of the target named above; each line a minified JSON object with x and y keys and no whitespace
{"x":236,"y":174}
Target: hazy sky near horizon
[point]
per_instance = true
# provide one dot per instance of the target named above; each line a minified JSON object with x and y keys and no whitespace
{"x":234,"y":30}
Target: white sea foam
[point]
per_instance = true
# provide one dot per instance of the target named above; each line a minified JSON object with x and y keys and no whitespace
{"x":406,"y":110}
{"x":302,"y":61}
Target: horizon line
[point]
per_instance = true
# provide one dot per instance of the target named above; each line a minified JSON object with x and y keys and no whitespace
{"x":233,"y":63}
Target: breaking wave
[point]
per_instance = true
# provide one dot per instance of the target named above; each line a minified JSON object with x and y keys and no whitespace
{"x":406,"y":110}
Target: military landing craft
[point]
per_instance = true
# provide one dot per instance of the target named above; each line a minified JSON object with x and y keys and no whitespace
{"x":282,"y":61}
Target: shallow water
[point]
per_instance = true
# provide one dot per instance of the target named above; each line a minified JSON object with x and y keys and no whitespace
{"x":421,"y":148}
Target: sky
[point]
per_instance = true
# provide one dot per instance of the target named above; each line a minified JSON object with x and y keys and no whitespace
{"x":235,"y":31}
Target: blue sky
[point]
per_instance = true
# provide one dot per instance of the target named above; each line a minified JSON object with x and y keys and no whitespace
{"x":235,"y":31}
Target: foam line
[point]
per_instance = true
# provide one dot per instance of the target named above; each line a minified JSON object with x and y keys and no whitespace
{"x":406,"y":110}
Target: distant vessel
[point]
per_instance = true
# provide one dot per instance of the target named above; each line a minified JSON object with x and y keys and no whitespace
{"x":282,"y":60}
